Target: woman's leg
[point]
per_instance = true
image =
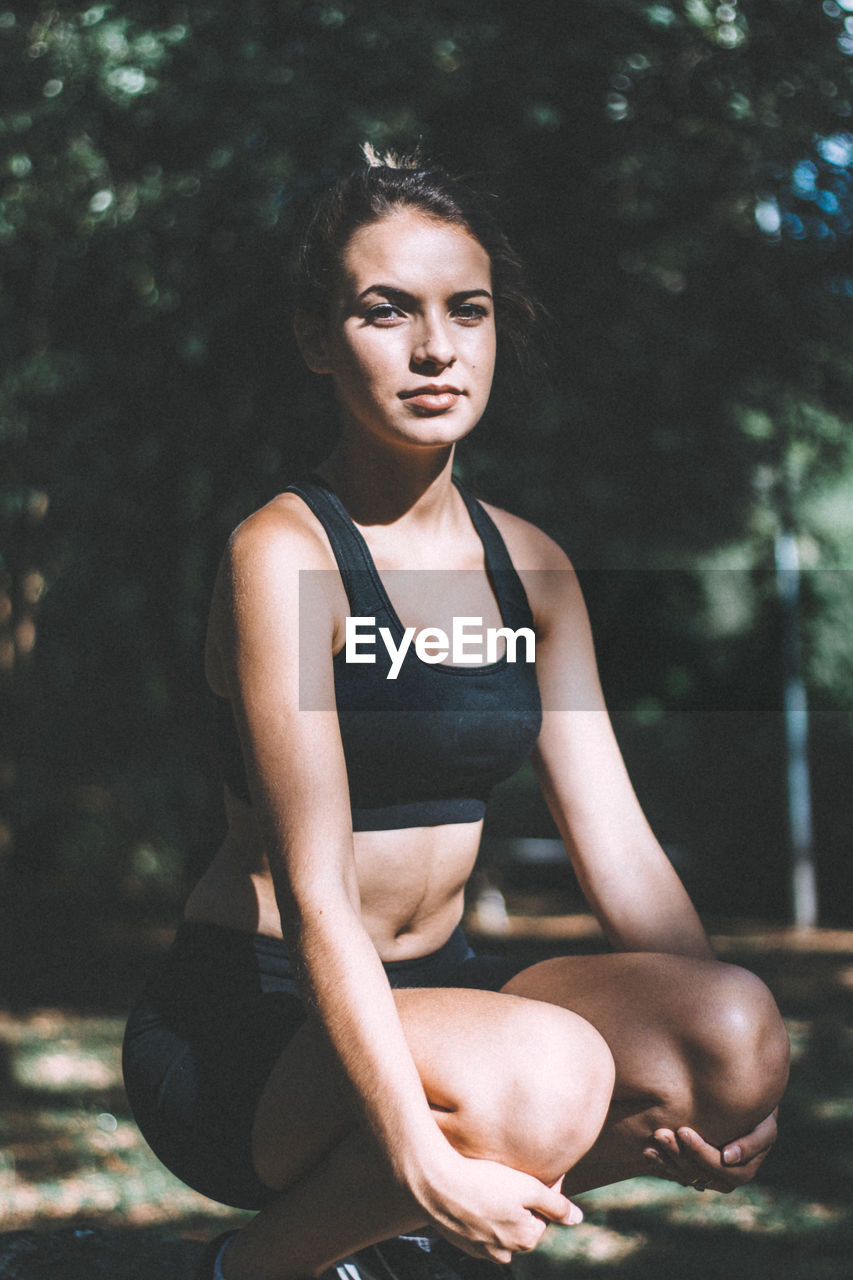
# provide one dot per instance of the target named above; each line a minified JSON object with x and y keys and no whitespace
{"x":511,"y":1080}
{"x":695,"y":1043}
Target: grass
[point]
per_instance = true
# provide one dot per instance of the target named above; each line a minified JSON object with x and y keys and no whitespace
{"x":72,"y":1159}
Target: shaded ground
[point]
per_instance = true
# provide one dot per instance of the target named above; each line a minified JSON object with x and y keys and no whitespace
{"x":93,"y":1253}
{"x":80,"y":1196}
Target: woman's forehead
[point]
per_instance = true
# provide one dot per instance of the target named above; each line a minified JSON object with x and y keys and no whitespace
{"x":407,"y":246}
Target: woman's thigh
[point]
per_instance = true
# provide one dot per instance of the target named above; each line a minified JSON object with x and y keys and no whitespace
{"x":508,"y":1078}
{"x":466,"y":1043}
{"x":526,"y":1076}
{"x":694,"y":1041}
{"x":640,"y":1003}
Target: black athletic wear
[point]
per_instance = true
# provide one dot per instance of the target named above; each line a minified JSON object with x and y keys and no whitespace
{"x":427,"y":747}
{"x":208,"y":1030}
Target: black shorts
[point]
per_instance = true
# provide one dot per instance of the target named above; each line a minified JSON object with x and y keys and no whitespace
{"x":208,"y":1029}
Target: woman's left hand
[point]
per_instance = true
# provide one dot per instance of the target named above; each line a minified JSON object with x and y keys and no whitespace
{"x":684,"y":1156}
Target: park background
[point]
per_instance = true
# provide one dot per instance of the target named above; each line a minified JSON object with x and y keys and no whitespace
{"x":679,"y":180}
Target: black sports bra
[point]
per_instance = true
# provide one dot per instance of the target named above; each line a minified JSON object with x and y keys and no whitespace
{"x":427,"y":747}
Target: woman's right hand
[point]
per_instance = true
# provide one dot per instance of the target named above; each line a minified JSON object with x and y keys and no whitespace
{"x":492,"y":1211}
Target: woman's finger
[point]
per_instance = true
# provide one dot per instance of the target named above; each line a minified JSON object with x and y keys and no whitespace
{"x":757,"y":1142}
{"x":696,"y":1163}
{"x":684,"y":1156}
{"x":742,"y":1151}
{"x":664,"y":1165}
{"x":660,"y":1165}
{"x":744,"y":1156}
{"x":551,"y":1204}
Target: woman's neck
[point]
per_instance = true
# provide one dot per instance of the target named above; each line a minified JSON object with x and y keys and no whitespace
{"x":380,"y":486}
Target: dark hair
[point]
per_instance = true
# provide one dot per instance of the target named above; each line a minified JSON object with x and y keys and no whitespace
{"x":380,"y":188}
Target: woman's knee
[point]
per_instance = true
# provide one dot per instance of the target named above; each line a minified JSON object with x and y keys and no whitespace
{"x":542,"y":1103}
{"x":737,"y":1051}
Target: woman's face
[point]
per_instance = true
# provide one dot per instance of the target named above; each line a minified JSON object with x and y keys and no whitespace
{"x":410,"y":343}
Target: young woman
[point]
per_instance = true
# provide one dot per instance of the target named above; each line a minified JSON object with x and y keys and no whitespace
{"x":321,"y":1043}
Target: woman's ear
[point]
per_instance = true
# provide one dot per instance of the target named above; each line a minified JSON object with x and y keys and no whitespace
{"x":311,"y":337}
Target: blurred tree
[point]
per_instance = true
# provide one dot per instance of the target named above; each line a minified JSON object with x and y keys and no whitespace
{"x":678,"y":176}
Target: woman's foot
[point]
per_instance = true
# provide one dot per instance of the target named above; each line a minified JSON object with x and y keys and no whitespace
{"x":401,"y":1258}
{"x":424,"y":1258}
{"x":207,"y":1268}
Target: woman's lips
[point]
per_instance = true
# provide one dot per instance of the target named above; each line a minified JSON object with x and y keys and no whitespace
{"x":432,"y":399}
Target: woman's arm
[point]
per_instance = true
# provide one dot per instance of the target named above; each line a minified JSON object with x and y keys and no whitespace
{"x":626,"y":877}
{"x":283,"y":696}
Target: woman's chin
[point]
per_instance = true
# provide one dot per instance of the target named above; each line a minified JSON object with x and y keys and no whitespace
{"x":430,"y":432}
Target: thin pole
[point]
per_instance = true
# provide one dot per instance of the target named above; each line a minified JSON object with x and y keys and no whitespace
{"x":796,"y":716}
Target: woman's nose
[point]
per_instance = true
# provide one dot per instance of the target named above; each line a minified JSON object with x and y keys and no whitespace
{"x":433,"y":346}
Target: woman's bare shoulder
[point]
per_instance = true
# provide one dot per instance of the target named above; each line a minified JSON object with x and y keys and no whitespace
{"x":529,"y":546}
{"x":549,"y":579}
{"x":284,"y":532}
{"x":259,"y":576}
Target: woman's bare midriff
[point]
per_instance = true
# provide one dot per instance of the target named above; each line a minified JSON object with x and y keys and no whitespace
{"x":411,"y":882}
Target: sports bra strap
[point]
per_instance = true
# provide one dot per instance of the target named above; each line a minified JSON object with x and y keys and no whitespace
{"x":405,"y":766}
{"x":509,"y":590}
{"x":355,"y":563}
{"x":359,"y":574}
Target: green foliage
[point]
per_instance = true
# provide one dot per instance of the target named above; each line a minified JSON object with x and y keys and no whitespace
{"x":156,"y":158}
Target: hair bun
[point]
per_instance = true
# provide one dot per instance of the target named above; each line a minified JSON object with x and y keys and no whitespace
{"x":391,"y":159}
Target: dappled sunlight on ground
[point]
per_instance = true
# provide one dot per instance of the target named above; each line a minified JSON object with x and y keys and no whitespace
{"x":70,"y":1149}
{"x":73,"y":1158}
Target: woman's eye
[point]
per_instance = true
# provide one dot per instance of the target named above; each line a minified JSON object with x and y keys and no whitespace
{"x":469,"y":311}
{"x":382,"y":313}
